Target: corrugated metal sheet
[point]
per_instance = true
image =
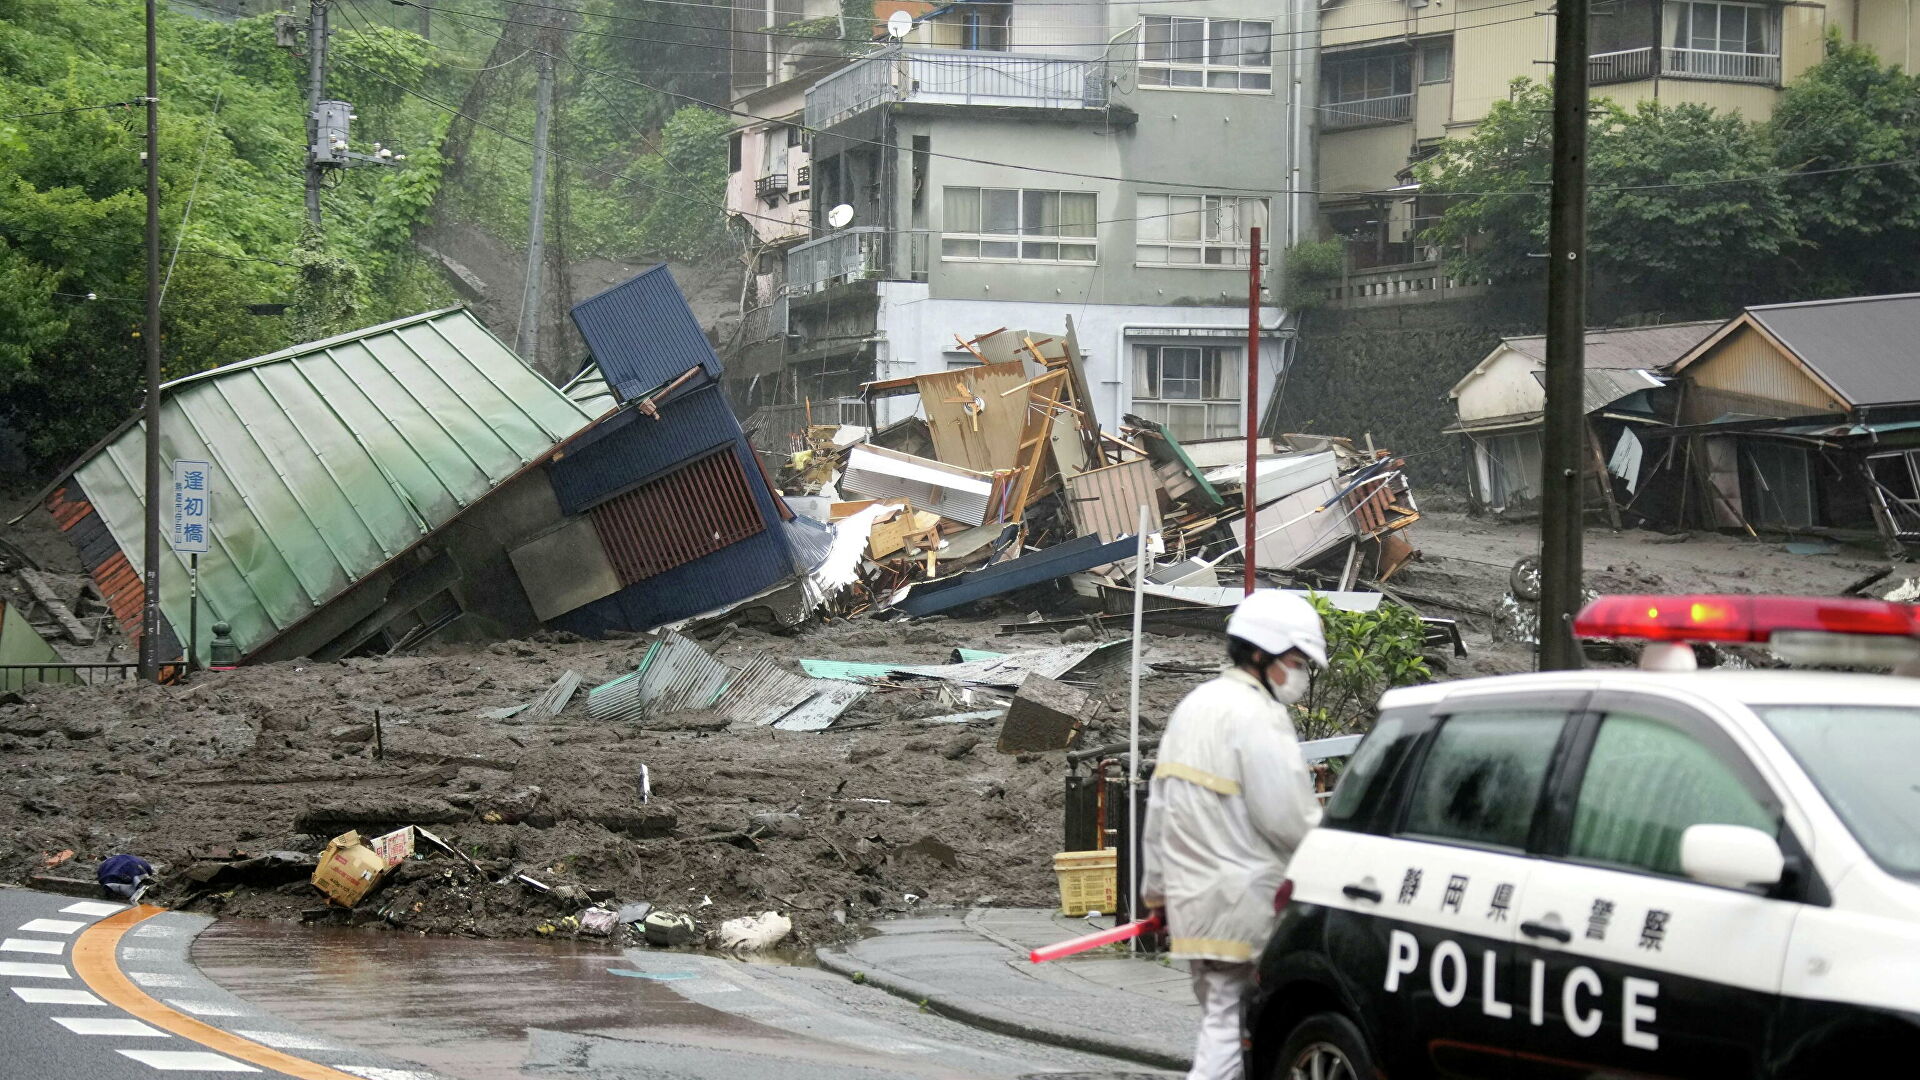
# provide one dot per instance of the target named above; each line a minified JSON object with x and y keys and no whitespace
{"x":709,"y":583}
{"x":878,"y":473}
{"x":643,"y":335}
{"x":629,"y":449}
{"x":1228,"y":596}
{"x":766,"y":693}
{"x":1746,"y":374}
{"x":1106,"y":502}
{"x":1299,"y":531}
{"x":1080,"y":553}
{"x":674,"y":674}
{"x":330,"y":459}
{"x":1007,"y":672}
{"x":695,"y":510}
{"x":820,"y":711}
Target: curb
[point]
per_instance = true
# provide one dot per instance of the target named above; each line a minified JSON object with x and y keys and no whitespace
{"x":989,"y":1018}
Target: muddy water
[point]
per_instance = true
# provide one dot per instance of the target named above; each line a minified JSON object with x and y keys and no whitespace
{"x":456,"y":1005}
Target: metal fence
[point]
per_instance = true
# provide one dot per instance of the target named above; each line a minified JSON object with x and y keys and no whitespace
{"x":1392,"y":109}
{"x":957,"y":77}
{"x":854,"y":254}
{"x":15,"y":676}
{"x":1731,"y":66}
{"x":1625,"y":65}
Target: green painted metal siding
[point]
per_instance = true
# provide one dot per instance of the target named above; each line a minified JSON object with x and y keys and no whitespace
{"x":20,"y":643}
{"x":330,"y":459}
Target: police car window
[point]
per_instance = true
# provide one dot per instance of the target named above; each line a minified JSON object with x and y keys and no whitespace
{"x":1482,"y":776}
{"x":1861,"y":757}
{"x":1363,"y":770}
{"x":1645,"y":783}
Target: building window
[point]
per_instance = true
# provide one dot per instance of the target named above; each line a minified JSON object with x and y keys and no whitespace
{"x":733,"y":152}
{"x":1207,"y":54}
{"x":1376,"y":88}
{"x":1721,"y":41}
{"x":1197,"y":230}
{"x":1436,"y":61}
{"x":1014,"y":224}
{"x":984,"y":26}
{"x":1194,"y":391}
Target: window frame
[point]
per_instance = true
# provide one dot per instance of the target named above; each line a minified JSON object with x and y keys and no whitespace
{"x":1138,"y":396}
{"x":1361,"y":58}
{"x":1421,"y":51}
{"x":1206,"y":67}
{"x":1203,"y":246}
{"x":1019,"y":238}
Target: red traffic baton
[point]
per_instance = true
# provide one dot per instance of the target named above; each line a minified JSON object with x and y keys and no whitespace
{"x":1093,"y":941}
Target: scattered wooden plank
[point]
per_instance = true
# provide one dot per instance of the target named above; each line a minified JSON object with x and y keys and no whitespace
{"x":43,"y":594}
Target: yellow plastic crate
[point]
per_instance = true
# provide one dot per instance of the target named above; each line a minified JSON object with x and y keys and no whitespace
{"x":1087,"y":881}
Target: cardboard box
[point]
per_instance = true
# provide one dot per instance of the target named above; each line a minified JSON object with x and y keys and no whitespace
{"x":348,"y":869}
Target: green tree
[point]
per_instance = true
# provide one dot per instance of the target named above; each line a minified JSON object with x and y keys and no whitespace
{"x":1859,"y":229}
{"x":1673,"y":220}
{"x":1368,"y":653}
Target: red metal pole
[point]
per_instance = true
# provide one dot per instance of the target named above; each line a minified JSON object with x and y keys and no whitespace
{"x":1253,"y":398}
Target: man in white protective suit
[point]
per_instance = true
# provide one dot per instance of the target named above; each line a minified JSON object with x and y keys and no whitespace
{"x":1231,"y":800}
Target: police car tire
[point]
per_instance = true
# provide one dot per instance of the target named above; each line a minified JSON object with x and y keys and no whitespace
{"x":1334,"y":1030}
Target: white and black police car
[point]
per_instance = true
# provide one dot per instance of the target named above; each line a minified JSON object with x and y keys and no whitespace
{"x":1654,"y":873}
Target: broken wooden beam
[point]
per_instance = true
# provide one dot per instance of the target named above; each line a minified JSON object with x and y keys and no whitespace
{"x":43,"y":594}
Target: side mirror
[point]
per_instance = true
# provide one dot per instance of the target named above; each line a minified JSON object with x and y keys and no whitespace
{"x":1733,"y":856}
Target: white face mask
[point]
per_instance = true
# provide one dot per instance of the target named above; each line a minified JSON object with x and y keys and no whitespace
{"x":1294,"y":688}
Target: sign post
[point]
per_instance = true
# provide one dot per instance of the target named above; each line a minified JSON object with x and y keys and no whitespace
{"x":191,"y":533}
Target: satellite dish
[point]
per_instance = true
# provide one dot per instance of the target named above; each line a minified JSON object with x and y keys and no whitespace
{"x":899,"y":25}
{"x":839,"y":216}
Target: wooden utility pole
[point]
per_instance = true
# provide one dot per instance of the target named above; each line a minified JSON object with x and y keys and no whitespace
{"x":150,"y":337}
{"x":1562,"y":497}
{"x":527,"y":341}
{"x":1249,"y":488}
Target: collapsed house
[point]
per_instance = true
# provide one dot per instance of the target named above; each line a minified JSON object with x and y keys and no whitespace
{"x":416,"y":480}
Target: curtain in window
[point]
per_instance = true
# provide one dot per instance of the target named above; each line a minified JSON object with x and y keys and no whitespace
{"x":1151,"y":228}
{"x":962,"y":209}
{"x":1077,"y":213}
{"x":1146,"y":373}
{"x":999,"y":211}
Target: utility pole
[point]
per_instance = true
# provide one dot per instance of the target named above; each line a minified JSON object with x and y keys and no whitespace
{"x":316,"y":92}
{"x":527,"y":341}
{"x":1562,"y":498}
{"x":150,"y":337}
{"x":1249,"y":496}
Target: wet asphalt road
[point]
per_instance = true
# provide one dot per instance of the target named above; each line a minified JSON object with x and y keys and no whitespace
{"x":498,"y":1010}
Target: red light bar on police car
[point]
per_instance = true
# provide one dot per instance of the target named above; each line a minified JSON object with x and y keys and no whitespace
{"x":1742,"y":619}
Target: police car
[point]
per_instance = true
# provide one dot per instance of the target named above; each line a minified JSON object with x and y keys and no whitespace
{"x":1660,"y":873}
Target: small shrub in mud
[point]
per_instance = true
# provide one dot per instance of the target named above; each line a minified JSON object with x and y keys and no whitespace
{"x":1368,"y":653}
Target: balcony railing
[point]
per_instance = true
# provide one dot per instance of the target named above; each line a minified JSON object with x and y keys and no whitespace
{"x":1727,"y":66}
{"x":855,"y":254}
{"x":1365,"y":112}
{"x":770,"y":185}
{"x":1424,"y":282}
{"x":1626,"y":65}
{"x":956,"y":77}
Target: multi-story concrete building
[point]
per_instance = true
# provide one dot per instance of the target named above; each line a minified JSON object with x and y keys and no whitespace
{"x":1018,"y":164}
{"x":1400,"y":76}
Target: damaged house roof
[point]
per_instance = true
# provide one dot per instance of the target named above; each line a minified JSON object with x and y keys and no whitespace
{"x":1865,"y":348}
{"x":330,"y":460}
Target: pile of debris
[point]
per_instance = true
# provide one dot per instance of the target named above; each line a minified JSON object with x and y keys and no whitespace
{"x":1004,"y":478}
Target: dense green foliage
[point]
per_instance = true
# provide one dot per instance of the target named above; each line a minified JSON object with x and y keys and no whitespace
{"x":1368,"y":653}
{"x":1689,"y":210}
{"x":638,"y":172}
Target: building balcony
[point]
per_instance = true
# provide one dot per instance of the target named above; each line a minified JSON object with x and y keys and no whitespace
{"x":841,"y":257}
{"x":770,"y":186}
{"x":1629,"y":65}
{"x":1367,"y":112}
{"x":956,"y":77}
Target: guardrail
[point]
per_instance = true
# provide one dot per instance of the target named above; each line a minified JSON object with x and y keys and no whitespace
{"x":1392,"y":109}
{"x":956,"y":77}
{"x":15,"y":676}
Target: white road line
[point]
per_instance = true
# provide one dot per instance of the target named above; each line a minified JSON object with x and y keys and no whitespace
{"x":286,"y":1040}
{"x":134,"y":952}
{"x":51,"y":926}
{"x":33,"y":945}
{"x":206,"y":1008}
{"x":374,"y":1072}
{"x":157,"y":978}
{"x":48,"y":995}
{"x":150,"y":930}
{"x":188,"y":1061}
{"x":34,"y":971}
{"x":93,"y":907}
{"x":109,"y":1025}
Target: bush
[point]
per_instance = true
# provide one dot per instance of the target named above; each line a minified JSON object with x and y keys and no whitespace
{"x":1368,"y":653}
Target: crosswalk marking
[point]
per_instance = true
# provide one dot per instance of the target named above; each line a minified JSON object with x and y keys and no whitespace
{"x":134,"y":952}
{"x":33,"y":945}
{"x":48,"y":995}
{"x":157,"y":978}
{"x":109,"y":1025}
{"x":93,"y":907}
{"x":375,"y":1072}
{"x":188,"y":1061}
{"x":51,"y":926}
{"x":206,"y":1008}
{"x":150,"y":930}
{"x":34,"y":971}
{"x":286,"y":1040}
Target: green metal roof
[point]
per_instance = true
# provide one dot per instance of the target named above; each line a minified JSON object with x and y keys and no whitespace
{"x":20,"y":643}
{"x":330,"y":459}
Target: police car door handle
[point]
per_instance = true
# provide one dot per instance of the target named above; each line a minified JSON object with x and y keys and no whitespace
{"x":1546,"y":930}
{"x":1361,"y":892}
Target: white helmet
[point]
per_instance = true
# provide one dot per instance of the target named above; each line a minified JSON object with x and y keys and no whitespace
{"x":1275,"y":622}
